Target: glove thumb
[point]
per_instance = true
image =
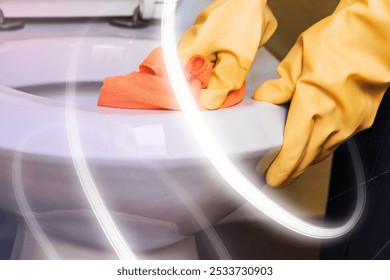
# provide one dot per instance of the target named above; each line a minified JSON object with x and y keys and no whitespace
{"x":280,"y":91}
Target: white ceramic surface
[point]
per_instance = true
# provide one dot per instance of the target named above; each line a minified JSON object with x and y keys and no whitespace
{"x":146,"y":164}
{"x":79,"y":8}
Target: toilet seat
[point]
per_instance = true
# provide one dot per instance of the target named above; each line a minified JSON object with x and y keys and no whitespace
{"x":92,"y":67}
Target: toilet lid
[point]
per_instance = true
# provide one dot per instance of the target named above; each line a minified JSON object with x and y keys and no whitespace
{"x":78,"y":8}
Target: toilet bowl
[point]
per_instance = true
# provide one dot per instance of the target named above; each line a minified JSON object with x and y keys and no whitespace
{"x":156,"y":182}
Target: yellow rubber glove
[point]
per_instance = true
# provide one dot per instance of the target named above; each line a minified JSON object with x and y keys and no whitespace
{"x":229,"y":33}
{"x":335,"y":77}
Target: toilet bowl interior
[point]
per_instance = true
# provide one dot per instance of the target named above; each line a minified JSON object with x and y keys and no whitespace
{"x":51,"y":67}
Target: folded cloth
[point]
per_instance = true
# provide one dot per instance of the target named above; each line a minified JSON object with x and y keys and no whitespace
{"x":149,"y":88}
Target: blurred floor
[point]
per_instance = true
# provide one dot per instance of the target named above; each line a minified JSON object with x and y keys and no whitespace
{"x":258,"y":241}
{"x":8,"y":228}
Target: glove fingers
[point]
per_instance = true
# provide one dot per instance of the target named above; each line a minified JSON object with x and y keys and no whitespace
{"x":226,"y":76}
{"x":280,"y":91}
{"x":296,"y":137}
{"x":311,"y":133}
{"x":319,"y":148}
{"x":273,"y":91}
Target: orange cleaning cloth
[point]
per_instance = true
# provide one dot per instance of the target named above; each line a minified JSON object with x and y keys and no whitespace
{"x":149,"y":88}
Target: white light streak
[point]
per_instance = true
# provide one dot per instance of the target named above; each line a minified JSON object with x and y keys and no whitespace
{"x":99,"y":208}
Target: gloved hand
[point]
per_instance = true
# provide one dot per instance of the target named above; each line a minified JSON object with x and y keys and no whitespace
{"x":228,"y":33}
{"x":335,"y":77}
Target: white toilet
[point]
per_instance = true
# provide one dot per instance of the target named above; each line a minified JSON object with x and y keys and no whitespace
{"x":159,"y":187}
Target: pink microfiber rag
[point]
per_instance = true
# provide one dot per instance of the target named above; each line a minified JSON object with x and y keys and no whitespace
{"x":149,"y":88}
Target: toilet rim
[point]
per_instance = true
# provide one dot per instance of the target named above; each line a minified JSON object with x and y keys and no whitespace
{"x":254,"y":136}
